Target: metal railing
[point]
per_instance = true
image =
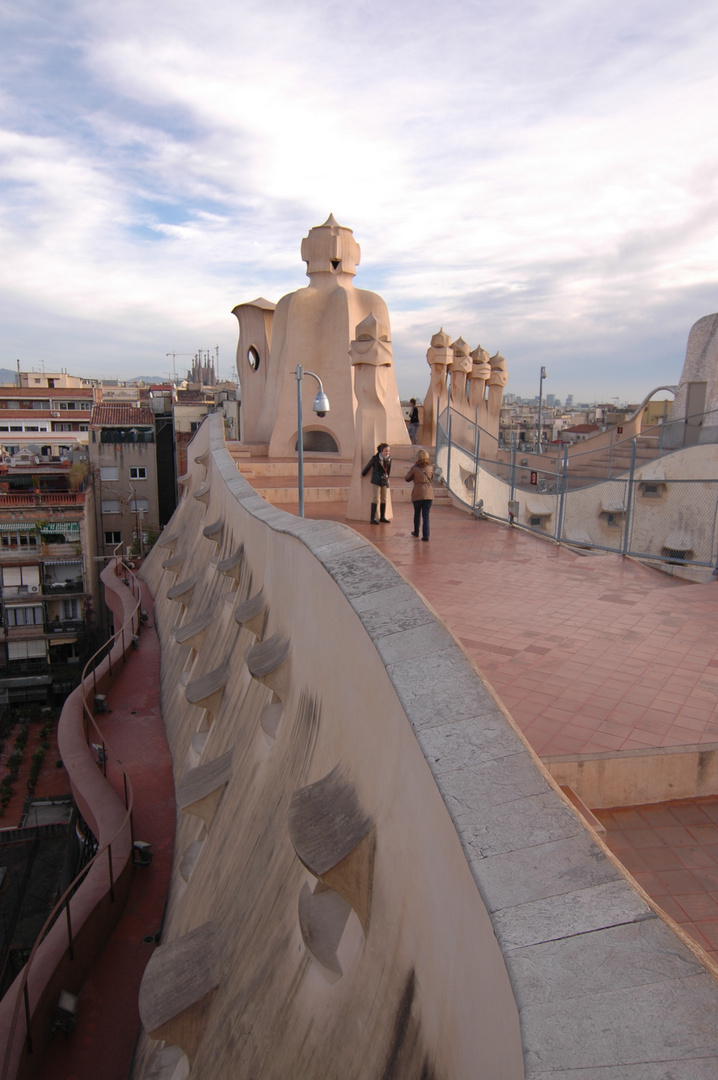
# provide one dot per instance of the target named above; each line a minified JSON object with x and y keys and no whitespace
{"x":622,"y":503}
{"x":44,"y":498}
{"x":22,"y":1008}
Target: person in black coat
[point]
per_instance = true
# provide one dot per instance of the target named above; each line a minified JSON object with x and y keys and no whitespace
{"x":380,"y":466}
{"x":413,"y":420}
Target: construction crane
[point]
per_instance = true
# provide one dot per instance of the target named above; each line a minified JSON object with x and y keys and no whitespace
{"x":174,"y":369}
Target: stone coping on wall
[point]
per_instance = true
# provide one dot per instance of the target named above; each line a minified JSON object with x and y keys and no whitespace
{"x":604,"y":986}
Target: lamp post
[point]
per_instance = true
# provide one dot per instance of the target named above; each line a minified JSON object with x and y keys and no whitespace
{"x":538,"y":433}
{"x":320,"y":406}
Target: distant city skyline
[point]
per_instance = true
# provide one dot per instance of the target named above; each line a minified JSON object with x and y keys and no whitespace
{"x":536,"y":179}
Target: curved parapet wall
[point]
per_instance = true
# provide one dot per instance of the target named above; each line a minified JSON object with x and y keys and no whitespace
{"x":374,"y":877}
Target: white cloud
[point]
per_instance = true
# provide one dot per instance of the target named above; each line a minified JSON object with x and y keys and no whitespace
{"x":541,"y":177}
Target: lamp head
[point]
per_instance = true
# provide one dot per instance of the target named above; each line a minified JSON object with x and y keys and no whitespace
{"x":320,"y":404}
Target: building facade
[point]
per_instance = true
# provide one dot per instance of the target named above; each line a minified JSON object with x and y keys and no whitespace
{"x":124,"y":475}
{"x":49,"y":576}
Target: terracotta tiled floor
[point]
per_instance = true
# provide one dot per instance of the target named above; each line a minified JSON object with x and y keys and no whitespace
{"x":588,"y":652}
{"x":672,"y":851}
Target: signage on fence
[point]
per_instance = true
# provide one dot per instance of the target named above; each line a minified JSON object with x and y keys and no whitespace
{"x":534,"y":478}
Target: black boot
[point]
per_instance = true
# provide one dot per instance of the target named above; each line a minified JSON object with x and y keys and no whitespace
{"x":374,"y":520}
{"x":384,"y":520}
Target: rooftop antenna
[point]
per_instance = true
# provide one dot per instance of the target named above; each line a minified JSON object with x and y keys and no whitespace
{"x":18,"y":373}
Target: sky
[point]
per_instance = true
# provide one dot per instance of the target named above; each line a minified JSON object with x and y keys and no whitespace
{"x":538,"y":178}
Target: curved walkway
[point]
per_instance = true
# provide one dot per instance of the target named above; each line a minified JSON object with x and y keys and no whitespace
{"x":103,"y":1043}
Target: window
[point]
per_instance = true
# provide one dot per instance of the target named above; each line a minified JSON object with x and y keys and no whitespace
{"x":110,"y":506}
{"x":139,"y":506}
{"x":109,"y":472}
{"x":24,"y":616}
{"x":22,"y":578}
{"x":26,"y":650}
{"x":138,"y":472}
{"x":19,"y":539}
{"x":70,"y":609}
{"x":113,"y":538}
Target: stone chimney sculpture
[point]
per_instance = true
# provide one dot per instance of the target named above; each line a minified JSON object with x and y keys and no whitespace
{"x":439,"y":357}
{"x":460,"y":368}
{"x":312,"y":327}
{"x":497,"y":381}
{"x":478,"y":381}
{"x":375,"y":389}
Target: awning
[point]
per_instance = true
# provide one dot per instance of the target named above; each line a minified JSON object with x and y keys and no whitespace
{"x":613,"y":506}
{"x":59,"y":526}
{"x":69,"y":528}
{"x":63,"y":562}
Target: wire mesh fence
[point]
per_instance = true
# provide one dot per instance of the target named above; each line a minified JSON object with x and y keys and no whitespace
{"x":617,"y":498}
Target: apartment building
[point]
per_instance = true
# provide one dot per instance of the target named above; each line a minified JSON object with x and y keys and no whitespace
{"x":49,"y":575}
{"x":54,"y":418}
{"x":123,"y":464}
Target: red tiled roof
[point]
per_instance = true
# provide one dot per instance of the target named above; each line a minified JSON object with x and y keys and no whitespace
{"x":121,"y":416}
{"x":583,"y":429}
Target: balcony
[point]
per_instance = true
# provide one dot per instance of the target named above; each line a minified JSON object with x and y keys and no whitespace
{"x":42,"y":498}
{"x":69,"y":550}
{"x":64,"y":626}
{"x":17,"y":669}
{"x":63,"y":588}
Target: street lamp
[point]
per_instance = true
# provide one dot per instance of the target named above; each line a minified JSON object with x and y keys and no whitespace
{"x":541,"y":379}
{"x":320,"y":406}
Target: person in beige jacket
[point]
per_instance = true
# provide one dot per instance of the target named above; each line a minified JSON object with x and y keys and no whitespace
{"x":421,"y":474}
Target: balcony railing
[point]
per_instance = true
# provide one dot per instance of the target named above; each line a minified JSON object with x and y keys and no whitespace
{"x":63,"y":626}
{"x":17,"y":669}
{"x":33,"y":593}
{"x":44,"y":498}
{"x":62,"y":588}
